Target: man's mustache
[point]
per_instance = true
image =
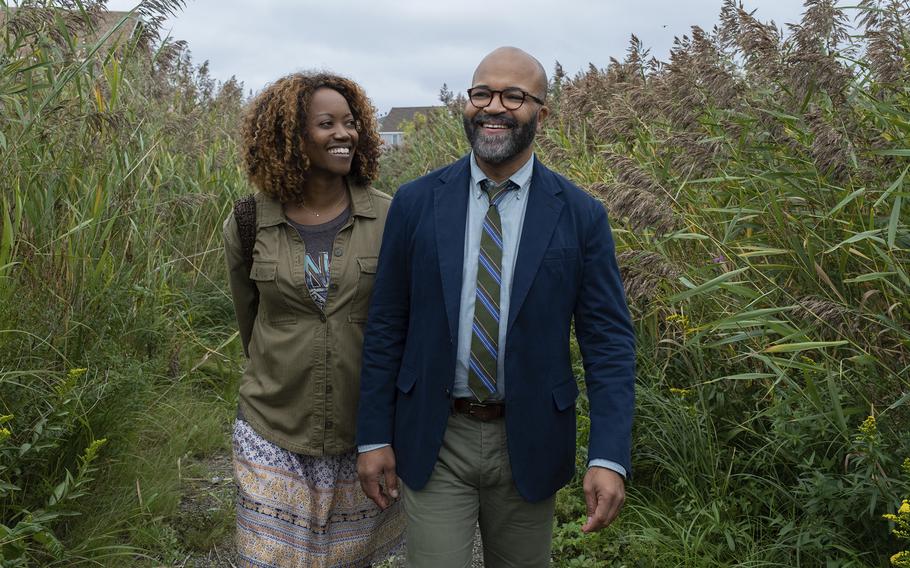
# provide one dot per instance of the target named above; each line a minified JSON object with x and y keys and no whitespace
{"x":500,"y":120}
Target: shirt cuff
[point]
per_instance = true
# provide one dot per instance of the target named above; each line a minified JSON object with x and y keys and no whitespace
{"x":611,"y":465}
{"x":370,"y":447}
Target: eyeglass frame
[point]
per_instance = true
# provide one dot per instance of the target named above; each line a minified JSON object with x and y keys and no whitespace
{"x":494,"y":92}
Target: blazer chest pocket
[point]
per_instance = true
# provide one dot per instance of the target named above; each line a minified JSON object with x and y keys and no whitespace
{"x":560,"y":255}
{"x":366,"y":274}
{"x":559,"y":264}
{"x":271,"y":299}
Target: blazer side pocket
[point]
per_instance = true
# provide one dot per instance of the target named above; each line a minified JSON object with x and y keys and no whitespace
{"x":564,"y":395}
{"x":405,"y":381}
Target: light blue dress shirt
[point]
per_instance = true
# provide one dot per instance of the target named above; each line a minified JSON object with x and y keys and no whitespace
{"x":512,"y":214}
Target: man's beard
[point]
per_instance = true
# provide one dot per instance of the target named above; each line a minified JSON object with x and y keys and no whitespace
{"x":499,"y":149}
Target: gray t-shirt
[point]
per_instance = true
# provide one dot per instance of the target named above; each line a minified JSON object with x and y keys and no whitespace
{"x":318,"y":239}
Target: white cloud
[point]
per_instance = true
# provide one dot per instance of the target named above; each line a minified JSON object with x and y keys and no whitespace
{"x":402,"y":51}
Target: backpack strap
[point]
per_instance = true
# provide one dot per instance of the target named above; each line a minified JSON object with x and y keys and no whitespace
{"x":245,"y":215}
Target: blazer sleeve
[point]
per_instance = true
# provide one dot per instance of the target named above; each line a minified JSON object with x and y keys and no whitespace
{"x":243,"y":290}
{"x":385,"y":333}
{"x":606,"y":339}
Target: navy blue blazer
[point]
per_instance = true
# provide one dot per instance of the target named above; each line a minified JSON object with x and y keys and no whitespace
{"x":566,"y":267}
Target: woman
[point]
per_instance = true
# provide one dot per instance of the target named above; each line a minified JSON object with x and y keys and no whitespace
{"x":311,"y":149}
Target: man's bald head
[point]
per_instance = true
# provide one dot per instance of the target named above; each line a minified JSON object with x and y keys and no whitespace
{"x":515,"y":61}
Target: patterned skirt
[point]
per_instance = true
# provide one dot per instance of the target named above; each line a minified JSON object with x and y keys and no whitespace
{"x":297,"y":510}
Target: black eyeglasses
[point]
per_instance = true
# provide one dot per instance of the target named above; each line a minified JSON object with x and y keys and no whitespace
{"x":511,"y":98}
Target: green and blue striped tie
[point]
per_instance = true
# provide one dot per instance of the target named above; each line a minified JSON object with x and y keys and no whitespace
{"x":485,"y":327}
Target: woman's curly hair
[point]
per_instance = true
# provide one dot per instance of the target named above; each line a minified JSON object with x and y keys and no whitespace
{"x":274,"y":129}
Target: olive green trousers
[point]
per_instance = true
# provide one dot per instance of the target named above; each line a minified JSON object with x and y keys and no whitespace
{"x":471,"y":484}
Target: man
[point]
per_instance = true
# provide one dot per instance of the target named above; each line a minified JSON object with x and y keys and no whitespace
{"x":467,"y":388}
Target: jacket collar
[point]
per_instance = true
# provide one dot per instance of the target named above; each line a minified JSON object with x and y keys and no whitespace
{"x":269,"y":211}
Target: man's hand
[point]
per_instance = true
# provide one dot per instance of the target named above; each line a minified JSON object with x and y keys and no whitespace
{"x":605,"y":492}
{"x":373,"y":468}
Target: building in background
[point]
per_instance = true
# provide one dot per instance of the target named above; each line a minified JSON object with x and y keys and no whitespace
{"x":391,"y":126}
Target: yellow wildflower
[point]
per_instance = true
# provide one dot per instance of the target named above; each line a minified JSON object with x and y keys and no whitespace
{"x":76,"y":373}
{"x":680,"y":392}
{"x":905,"y":508}
{"x":868,"y":430}
{"x":869,"y":427}
{"x":4,"y":434}
{"x":906,"y":466}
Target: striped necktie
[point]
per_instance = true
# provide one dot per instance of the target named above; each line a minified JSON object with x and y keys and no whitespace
{"x":485,"y":327}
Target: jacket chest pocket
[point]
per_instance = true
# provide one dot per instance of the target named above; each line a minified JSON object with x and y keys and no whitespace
{"x":366,"y":274}
{"x":271,"y":299}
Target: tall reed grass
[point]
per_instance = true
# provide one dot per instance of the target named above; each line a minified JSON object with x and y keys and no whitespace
{"x":756,"y":185}
{"x":117,"y":165}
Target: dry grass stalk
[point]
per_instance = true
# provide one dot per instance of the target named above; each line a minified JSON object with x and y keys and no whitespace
{"x":642,"y":272}
{"x":757,"y":42}
{"x":830,"y":149}
{"x":812,"y":60}
{"x":626,"y":171}
{"x":694,"y":155}
{"x":884,"y":22}
{"x":698,"y":75}
{"x":840,"y":322}
{"x":637,"y":206}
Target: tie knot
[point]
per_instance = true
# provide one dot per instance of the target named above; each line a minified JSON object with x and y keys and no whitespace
{"x":496,"y":191}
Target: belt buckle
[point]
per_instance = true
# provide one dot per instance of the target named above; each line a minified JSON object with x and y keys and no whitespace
{"x":478,"y":410}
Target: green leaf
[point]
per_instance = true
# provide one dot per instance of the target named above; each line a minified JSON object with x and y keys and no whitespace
{"x":865,"y":235}
{"x":707,"y":286}
{"x":895,"y":219}
{"x":739,"y":377}
{"x":870,"y":276}
{"x":846,"y":200}
{"x":893,"y":152}
{"x":899,"y":182}
{"x":803,"y":346}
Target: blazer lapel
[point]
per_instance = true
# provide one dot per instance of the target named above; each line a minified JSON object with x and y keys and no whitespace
{"x":451,"y":214}
{"x":541,"y":216}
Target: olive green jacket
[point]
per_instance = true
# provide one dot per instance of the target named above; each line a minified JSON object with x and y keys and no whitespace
{"x":302,"y":380}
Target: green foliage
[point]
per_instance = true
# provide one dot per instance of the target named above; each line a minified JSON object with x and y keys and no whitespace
{"x":431,"y":141}
{"x":755,"y":185}
{"x":118,"y":165}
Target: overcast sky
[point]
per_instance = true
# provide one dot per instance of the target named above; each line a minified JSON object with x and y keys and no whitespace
{"x":402,"y":51}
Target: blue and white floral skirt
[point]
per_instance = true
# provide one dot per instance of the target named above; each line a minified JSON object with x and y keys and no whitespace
{"x":297,"y":510}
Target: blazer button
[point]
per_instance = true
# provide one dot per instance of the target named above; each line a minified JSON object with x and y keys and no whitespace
{"x":328,"y":388}
{"x":328,"y":425}
{"x":338,"y":251}
{"x":322,"y":318}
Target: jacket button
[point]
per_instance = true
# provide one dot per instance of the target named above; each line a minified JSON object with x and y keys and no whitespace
{"x":338,"y":251}
{"x":322,"y":318}
{"x":328,"y":388}
{"x":328,"y":425}
{"x":333,"y":286}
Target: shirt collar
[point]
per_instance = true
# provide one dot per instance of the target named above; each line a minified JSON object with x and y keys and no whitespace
{"x":271,"y":212}
{"x":522,"y":177}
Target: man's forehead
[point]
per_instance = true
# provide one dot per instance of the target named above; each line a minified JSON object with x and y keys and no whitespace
{"x":509,"y":65}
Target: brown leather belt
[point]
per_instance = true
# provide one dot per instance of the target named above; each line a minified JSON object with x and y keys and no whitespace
{"x":483,"y":411}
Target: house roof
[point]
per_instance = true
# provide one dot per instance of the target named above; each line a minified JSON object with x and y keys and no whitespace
{"x":105,"y":21}
{"x":394,"y":121}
